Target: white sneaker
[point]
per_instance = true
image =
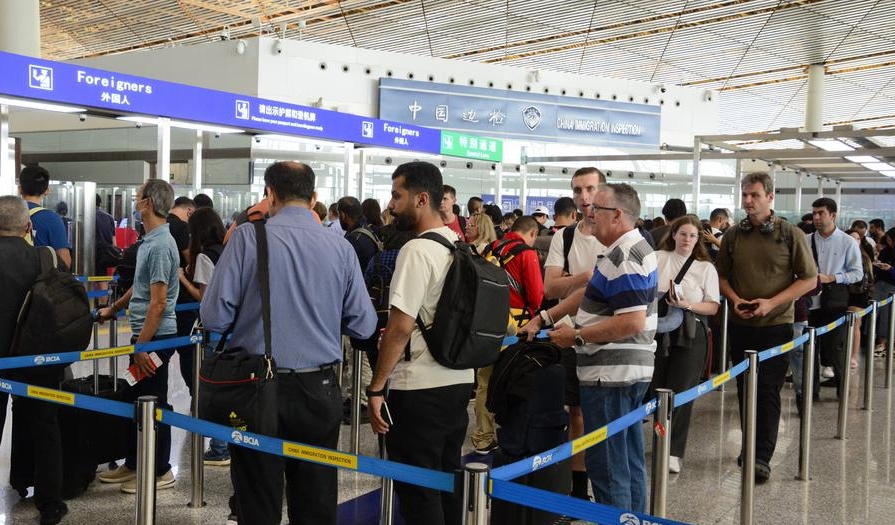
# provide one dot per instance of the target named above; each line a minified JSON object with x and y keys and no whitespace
{"x":826,"y":372}
{"x":674,"y":464}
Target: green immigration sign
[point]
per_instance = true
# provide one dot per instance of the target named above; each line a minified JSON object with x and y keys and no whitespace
{"x":471,"y":146}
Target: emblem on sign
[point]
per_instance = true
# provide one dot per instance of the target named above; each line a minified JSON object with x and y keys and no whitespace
{"x":531,"y":116}
{"x":40,"y":77}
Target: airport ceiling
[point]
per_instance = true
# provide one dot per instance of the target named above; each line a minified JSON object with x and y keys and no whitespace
{"x":755,"y":52}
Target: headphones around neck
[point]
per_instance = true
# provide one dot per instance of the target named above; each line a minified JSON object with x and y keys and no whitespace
{"x":766,"y":228}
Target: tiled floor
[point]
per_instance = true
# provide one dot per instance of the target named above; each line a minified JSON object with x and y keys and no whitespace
{"x":853,"y":480}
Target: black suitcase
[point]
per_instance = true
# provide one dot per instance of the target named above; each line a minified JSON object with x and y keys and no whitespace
{"x":556,"y":478}
{"x":88,"y":439}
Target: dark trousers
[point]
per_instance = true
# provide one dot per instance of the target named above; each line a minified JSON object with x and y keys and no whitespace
{"x":154,"y":385}
{"x":428,"y":431}
{"x":40,"y":420}
{"x":185,"y":322}
{"x":680,"y":369}
{"x":309,"y":410}
{"x":831,"y":345}
{"x":771,"y":374}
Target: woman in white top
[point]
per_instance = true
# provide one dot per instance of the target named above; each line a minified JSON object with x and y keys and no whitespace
{"x":681,"y":354}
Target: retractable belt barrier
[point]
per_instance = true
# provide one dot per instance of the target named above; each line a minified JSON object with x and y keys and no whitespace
{"x":96,"y":278}
{"x":499,"y":485}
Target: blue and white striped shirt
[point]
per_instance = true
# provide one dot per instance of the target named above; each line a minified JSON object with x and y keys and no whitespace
{"x":625,"y":280}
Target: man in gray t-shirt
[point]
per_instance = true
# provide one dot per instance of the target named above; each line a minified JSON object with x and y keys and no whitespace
{"x":151,"y":302}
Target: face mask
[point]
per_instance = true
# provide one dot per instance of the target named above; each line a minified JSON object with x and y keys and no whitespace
{"x":137,"y":215}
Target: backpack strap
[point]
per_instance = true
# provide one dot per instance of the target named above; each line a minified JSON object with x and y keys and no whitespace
{"x":432,"y":236}
{"x":46,"y":257}
{"x":568,"y":237}
{"x":363,"y":230}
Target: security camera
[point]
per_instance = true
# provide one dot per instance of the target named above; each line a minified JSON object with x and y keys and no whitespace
{"x":630,"y":174}
{"x":278,"y":46}
{"x":225,"y":33}
{"x":469,"y":165}
{"x":217,"y":135}
{"x":608,"y":173}
{"x":652,"y":176}
{"x":443,"y":164}
{"x":518,"y":167}
{"x":241,"y":46}
{"x":542,"y":169}
{"x":707,"y":96}
{"x":82,"y":117}
{"x":565,"y":171}
{"x":663,"y":88}
{"x":388,"y":160}
{"x":493,"y":167}
{"x":257,"y":140}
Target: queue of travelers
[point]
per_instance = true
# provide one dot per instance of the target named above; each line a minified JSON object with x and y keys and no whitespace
{"x":628,"y":304}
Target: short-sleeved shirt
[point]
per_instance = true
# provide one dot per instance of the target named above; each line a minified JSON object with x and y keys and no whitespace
{"x":700,"y":283}
{"x":204,"y":270}
{"x":763,"y":265}
{"x":105,"y":228}
{"x":157,"y":262}
{"x":625,"y":281}
{"x":457,"y":227}
{"x":583,"y":255}
{"x":419,"y":276}
{"x":48,"y":229}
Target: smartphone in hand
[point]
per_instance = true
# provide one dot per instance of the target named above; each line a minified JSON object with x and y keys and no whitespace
{"x":385,"y":414}
{"x":747,"y":307}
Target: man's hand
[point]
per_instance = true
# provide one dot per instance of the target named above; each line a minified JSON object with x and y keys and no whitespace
{"x":826,"y":278}
{"x":764,"y":307}
{"x":144,"y":363}
{"x":530,"y":329}
{"x":563,"y":336}
{"x":104,"y":314}
{"x":740,"y":311}
{"x":374,"y":407}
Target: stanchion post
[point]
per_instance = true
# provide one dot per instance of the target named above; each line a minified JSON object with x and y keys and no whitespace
{"x":868,"y":359}
{"x":475,"y":494}
{"x":356,"y":368}
{"x":890,"y":341}
{"x":807,"y":405}
{"x":387,"y":494}
{"x":113,"y":335}
{"x":96,"y":346}
{"x":146,"y":427}
{"x":725,"y":317}
{"x":845,"y":380}
{"x":661,"y":451}
{"x":749,"y":421}
{"x":197,"y":448}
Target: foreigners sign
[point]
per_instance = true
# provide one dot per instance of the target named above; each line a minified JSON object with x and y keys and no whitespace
{"x":520,"y":115}
{"x":96,"y":88}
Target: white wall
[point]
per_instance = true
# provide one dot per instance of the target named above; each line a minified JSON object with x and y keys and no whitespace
{"x":107,"y":172}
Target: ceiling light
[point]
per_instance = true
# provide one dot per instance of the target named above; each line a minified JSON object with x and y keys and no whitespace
{"x":185,"y":125}
{"x":40,"y":105}
{"x":888,"y":173}
{"x":877,"y":166}
{"x":830,"y":145}
{"x":862,"y":159}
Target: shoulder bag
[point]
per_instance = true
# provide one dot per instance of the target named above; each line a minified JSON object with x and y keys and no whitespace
{"x":238,"y":388}
{"x":670,"y":318}
{"x":833,"y":296}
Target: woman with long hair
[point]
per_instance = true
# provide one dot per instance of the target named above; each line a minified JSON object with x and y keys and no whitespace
{"x":480,"y":231}
{"x":372,"y":214}
{"x":681,"y":354}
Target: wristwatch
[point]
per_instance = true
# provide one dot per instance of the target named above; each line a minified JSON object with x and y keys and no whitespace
{"x":579,"y":341}
{"x":375,"y":393}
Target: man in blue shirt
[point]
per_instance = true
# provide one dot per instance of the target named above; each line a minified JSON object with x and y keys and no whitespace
{"x":151,"y":302}
{"x":312,"y":305}
{"x":47,"y":227}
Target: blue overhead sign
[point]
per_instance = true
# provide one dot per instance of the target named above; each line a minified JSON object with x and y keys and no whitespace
{"x":520,"y":115}
{"x":127,"y":94}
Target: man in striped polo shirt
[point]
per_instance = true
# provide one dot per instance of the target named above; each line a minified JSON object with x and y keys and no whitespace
{"x":616,"y":317}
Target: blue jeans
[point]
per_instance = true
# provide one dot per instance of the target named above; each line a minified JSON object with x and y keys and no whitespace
{"x":617,"y":466}
{"x":797,"y":359}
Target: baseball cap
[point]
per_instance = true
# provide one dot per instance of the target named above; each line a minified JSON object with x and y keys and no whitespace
{"x":542,"y":210}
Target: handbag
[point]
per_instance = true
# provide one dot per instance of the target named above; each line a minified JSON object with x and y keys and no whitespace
{"x":238,"y":388}
{"x":833,"y":296}
{"x":670,"y":318}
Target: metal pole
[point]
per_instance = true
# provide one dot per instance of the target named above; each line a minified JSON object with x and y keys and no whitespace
{"x":697,"y":175}
{"x":146,"y":426}
{"x":197,"y":463}
{"x":113,"y":335}
{"x":725,"y":318}
{"x":807,"y":405}
{"x":751,"y":401}
{"x":661,"y":451}
{"x":387,"y":495}
{"x":356,"y":367}
{"x":845,"y":380}
{"x":868,"y":359}
{"x":475,"y":494}
{"x":890,"y":342}
{"x":95,"y":347}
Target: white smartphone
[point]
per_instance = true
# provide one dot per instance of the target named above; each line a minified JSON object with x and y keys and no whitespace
{"x":386,"y":415}
{"x":566,"y":320}
{"x":678,"y":291}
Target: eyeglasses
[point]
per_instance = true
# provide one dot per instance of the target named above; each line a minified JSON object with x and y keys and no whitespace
{"x":593,"y":207}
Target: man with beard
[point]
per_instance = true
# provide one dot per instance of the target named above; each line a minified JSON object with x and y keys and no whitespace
{"x":427,"y":401}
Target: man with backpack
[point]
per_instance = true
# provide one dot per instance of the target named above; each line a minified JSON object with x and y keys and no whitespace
{"x":18,"y":274}
{"x":362,"y":239}
{"x":425,"y":422}
{"x":569,"y":267}
{"x":47,"y":227}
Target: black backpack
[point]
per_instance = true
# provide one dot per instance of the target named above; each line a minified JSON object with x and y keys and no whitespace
{"x":127,"y":266}
{"x":471,"y":316}
{"x":55,"y":316}
{"x":378,"y":286}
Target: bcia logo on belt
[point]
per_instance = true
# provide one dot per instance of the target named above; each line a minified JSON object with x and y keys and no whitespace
{"x":239,"y":438}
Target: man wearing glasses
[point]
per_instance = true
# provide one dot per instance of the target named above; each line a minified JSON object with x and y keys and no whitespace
{"x":615,"y":321}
